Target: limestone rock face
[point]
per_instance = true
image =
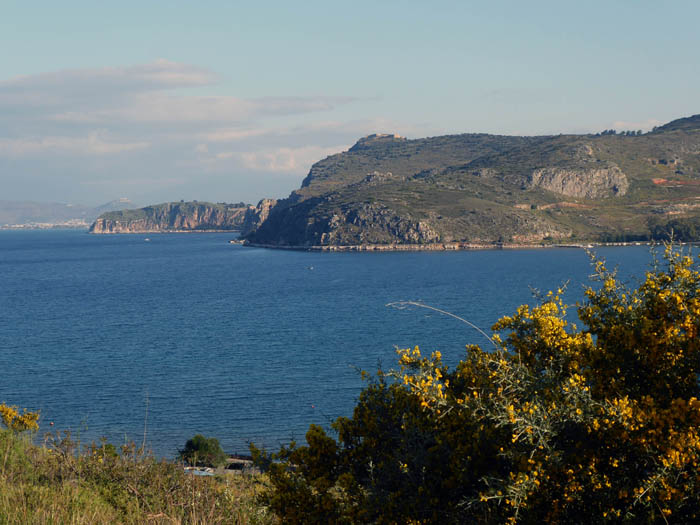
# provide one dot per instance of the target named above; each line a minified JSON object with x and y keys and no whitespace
{"x":318,"y":222}
{"x":357,"y":224}
{"x":173,"y":216}
{"x":256,"y":215}
{"x":589,"y":183}
{"x":374,"y":223}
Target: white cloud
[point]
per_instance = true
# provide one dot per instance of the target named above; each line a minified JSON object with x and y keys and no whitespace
{"x":645,"y":125}
{"x":158,"y":75}
{"x":78,"y":127}
{"x":287,"y":160}
{"x":139,"y":94}
{"x":232,"y":135}
{"x":92,"y":144}
{"x":161,"y":108}
{"x":139,"y":182}
{"x":353,"y":129}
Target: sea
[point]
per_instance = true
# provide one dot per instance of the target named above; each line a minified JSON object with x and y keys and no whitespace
{"x":155,"y":338}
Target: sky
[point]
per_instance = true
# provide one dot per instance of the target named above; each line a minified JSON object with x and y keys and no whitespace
{"x":234,"y":101}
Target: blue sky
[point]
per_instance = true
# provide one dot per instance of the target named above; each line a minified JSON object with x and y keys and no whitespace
{"x":232,"y":101}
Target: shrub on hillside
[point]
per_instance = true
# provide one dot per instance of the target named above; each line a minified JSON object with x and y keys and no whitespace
{"x":201,"y":451}
{"x":559,"y":424}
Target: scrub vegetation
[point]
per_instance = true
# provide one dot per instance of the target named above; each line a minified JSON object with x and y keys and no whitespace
{"x":558,"y":424}
{"x":60,"y":482}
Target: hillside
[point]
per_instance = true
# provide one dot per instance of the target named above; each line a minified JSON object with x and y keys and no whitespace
{"x":173,"y":216}
{"x":478,"y":188}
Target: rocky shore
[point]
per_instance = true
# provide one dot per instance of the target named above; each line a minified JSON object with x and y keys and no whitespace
{"x":434,"y":247}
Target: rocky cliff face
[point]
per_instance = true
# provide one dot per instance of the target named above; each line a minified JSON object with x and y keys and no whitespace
{"x":364,"y":223}
{"x":587,"y":183}
{"x":319,"y":222}
{"x":256,"y":215}
{"x":173,"y":216}
{"x":372,"y":223}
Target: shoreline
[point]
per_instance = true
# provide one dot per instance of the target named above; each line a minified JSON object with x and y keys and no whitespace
{"x":437,"y":247}
{"x":162,"y":231}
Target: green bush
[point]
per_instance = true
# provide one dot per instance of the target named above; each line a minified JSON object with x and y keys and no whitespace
{"x":201,"y":451}
{"x":557,"y":424}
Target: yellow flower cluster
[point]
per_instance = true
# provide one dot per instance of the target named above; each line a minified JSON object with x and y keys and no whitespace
{"x":427,"y":380}
{"x":16,"y":421}
{"x":606,"y":418}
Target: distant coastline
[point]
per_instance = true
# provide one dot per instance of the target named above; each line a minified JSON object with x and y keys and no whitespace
{"x":162,"y":231}
{"x":46,"y":226}
{"x":12,"y":227}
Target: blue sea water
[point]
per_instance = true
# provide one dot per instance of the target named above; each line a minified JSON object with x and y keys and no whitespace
{"x":190,"y":334}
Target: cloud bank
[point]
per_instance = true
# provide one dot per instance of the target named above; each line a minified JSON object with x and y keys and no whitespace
{"x":110,"y":128}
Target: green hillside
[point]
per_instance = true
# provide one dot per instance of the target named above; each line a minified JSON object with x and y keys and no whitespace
{"x":487,"y":188}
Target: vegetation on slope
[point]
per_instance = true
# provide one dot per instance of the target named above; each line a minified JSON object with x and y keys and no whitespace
{"x":485,"y":188}
{"x":183,"y":207}
{"x":60,"y":482}
{"x":554,"y":424}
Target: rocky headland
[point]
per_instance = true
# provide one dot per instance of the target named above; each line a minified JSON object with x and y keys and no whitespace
{"x":174,"y":217}
{"x":480,"y":190}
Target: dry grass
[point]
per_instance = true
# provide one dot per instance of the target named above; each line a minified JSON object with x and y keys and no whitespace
{"x":57,"y":484}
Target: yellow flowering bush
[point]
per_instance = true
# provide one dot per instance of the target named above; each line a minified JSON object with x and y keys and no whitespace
{"x":558,"y":424}
{"x":18,"y":421}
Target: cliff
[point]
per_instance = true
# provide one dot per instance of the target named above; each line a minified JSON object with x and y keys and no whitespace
{"x":256,"y":215}
{"x":589,"y":183}
{"x":173,"y":216}
{"x":479,"y":188}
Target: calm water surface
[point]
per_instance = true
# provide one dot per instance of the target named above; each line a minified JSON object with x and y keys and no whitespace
{"x":243,"y":344}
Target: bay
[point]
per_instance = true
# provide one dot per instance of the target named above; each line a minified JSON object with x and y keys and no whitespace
{"x":188,"y":334}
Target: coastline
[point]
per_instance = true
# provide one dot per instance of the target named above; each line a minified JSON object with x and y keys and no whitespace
{"x":161,"y":231}
{"x":439,"y":247}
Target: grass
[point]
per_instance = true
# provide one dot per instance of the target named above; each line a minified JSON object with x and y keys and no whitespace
{"x":56,"y":483}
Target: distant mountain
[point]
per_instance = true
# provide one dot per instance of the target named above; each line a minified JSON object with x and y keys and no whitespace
{"x":28,"y":212}
{"x":174,"y":216}
{"x":479,"y":188}
{"x":115,"y":205}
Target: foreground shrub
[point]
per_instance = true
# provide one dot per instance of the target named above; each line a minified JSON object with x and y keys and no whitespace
{"x":557,"y":424}
{"x":201,"y":451}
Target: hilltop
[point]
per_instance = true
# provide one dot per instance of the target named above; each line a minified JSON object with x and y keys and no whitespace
{"x":481,"y":188}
